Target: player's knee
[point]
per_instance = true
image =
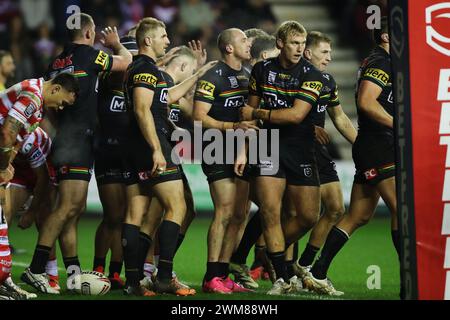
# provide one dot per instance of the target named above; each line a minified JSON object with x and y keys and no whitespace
{"x":335,"y":214}
{"x":310,"y":220}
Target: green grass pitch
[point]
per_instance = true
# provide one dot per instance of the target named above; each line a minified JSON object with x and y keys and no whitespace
{"x":369,"y":246}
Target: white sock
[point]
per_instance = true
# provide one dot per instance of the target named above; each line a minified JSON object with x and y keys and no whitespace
{"x":149,"y":269}
{"x":51,"y":268}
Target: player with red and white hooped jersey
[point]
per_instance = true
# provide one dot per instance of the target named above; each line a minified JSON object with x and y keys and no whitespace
{"x":24,"y":102}
{"x":5,"y":253}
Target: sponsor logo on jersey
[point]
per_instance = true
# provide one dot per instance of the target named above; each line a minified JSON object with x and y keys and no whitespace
{"x":118,"y":104}
{"x":235,"y":102}
{"x":27,"y":147}
{"x":145,"y":78}
{"x":377,"y":74}
{"x":35,"y":155}
{"x":252,"y":83}
{"x":63,"y":62}
{"x":272,"y":100}
{"x":313,"y":86}
{"x":174,"y":115}
{"x":29,"y":110}
{"x":163,"y":96}
{"x":233,"y":82}
{"x":206,"y":88}
{"x":102,"y":59}
{"x":284,"y":76}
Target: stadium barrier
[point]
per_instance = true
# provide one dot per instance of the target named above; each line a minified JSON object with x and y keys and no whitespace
{"x":420,"y":51}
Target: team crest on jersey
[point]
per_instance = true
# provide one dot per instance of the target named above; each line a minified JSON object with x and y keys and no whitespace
{"x":271,"y":78}
{"x":118,"y":104}
{"x":233,"y":82}
{"x":145,"y":78}
{"x":206,"y":88}
{"x":102,"y":59}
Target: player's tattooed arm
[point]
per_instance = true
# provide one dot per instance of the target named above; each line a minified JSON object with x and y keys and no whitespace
{"x":8,"y":136}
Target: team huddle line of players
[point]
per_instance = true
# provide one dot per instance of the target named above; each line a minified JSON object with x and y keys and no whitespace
{"x":114,"y":114}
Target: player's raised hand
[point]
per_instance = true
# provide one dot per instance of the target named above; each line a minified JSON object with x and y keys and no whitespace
{"x":110,"y":37}
{"x":199,"y":52}
{"x":321,"y":135}
{"x":172,"y":53}
{"x":206,"y":67}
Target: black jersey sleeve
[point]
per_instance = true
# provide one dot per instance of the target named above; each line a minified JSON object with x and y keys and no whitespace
{"x":310,"y":87}
{"x":255,"y":80}
{"x":99,"y":60}
{"x":378,"y":72}
{"x":147,"y":76}
{"x":334,"y":94}
{"x":207,"y":87}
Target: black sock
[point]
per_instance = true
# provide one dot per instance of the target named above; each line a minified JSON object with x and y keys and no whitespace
{"x":290,"y":268}
{"x":335,"y":241}
{"x":179,"y":242}
{"x":115,"y":267}
{"x":295,"y":256}
{"x":396,"y":240}
{"x":259,"y":252}
{"x":279,"y":264}
{"x":212,"y":271}
{"x":307,"y":257}
{"x":168,"y":237}
{"x":252,"y":232}
{"x":130,"y":243}
{"x":223,"y":269}
{"x":72,"y":265}
{"x":99,"y":262}
{"x":144,"y":244}
{"x":40,"y":258}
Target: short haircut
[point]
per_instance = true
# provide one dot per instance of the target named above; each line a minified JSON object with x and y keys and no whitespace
{"x":4,"y":53}
{"x":262,"y":43}
{"x":183,"y":51}
{"x":289,"y":27}
{"x":315,"y":37}
{"x":384,"y":28}
{"x":86,"y":21}
{"x":147,"y":26}
{"x":67,"y":81}
{"x":225,"y":38}
{"x":255,"y":32}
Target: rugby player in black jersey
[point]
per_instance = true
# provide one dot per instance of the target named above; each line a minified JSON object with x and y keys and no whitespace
{"x":218,"y":97}
{"x":179,"y":68}
{"x":289,"y":87}
{"x":72,"y":153}
{"x":153,"y":172}
{"x":373,"y":154}
{"x":318,"y":52}
{"x":263,"y":47}
{"x":110,"y":169}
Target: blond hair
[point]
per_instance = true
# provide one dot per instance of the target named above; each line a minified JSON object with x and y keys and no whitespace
{"x":289,"y":27}
{"x":146,"y":27}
